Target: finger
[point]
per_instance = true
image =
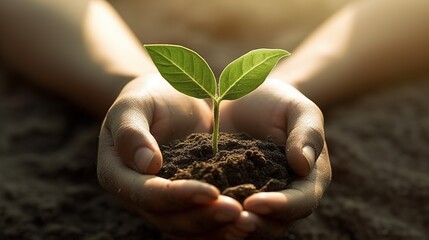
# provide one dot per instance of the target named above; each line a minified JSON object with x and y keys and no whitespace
{"x":281,"y":205}
{"x":242,"y":227}
{"x":198,"y":221}
{"x":148,"y":192}
{"x":306,"y":137}
{"x":267,"y":228}
{"x":299,"y":200}
{"x":165,"y":196}
{"x":251,"y":226}
{"x":129,"y":128}
{"x":247,"y":222}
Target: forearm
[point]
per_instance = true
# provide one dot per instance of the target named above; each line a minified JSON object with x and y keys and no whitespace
{"x":79,"y":49}
{"x":364,"y":45}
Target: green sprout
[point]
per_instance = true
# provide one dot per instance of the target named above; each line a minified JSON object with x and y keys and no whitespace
{"x":190,"y":74}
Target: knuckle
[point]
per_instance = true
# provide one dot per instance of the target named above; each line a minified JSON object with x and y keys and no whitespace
{"x":124,"y":132}
{"x":317,"y":135}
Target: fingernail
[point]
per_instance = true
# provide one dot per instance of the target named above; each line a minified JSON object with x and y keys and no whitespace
{"x":224,"y":216}
{"x":143,"y":158}
{"x":310,"y":155}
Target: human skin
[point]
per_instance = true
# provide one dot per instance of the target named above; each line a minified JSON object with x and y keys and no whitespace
{"x":80,"y":50}
{"x":142,"y":110}
{"x":98,"y":56}
{"x":145,"y":114}
{"x":273,"y":213}
{"x":294,"y":121}
{"x":334,"y":57}
{"x":367,"y":44}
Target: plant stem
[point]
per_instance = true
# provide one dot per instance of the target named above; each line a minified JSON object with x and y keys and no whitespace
{"x":215,"y":135}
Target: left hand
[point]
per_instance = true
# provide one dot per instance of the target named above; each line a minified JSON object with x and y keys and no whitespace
{"x":146,"y":113}
{"x":278,"y":110}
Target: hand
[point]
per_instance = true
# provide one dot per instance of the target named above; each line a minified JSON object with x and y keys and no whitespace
{"x":278,"y":110}
{"x":149,"y":111}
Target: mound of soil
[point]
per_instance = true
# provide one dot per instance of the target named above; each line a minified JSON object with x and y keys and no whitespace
{"x":241,"y":167}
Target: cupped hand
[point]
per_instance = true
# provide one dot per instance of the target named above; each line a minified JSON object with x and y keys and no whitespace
{"x":149,"y":111}
{"x":278,"y":110}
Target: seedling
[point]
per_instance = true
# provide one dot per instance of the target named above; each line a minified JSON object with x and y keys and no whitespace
{"x":190,"y":74}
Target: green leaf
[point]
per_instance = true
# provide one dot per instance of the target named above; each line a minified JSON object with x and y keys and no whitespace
{"x":184,"y":69}
{"x":246,"y":73}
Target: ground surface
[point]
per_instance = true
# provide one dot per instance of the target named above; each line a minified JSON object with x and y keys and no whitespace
{"x":378,"y":146}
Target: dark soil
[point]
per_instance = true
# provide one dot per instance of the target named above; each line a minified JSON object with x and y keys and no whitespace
{"x":241,"y":167}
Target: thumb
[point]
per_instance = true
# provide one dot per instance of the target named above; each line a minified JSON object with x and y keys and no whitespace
{"x":306,"y":139}
{"x":303,"y":148}
{"x":134,"y":143}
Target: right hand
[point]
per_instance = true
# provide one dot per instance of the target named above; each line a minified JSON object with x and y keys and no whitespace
{"x":149,"y":111}
{"x":278,"y":110}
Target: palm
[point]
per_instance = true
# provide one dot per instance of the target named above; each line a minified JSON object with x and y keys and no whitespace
{"x":174,"y":115}
{"x":262,"y":113}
